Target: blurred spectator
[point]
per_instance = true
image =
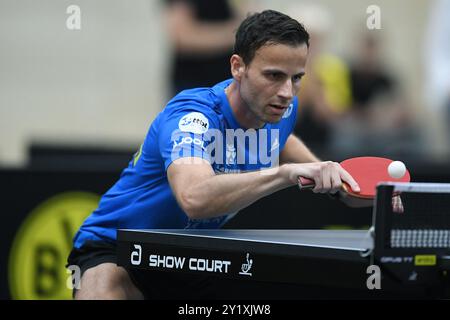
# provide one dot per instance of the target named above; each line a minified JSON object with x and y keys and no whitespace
{"x":437,"y":71}
{"x":379,"y":120}
{"x":369,"y":77}
{"x":375,"y":90}
{"x":202,"y":32}
{"x":325,"y":94}
{"x":350,"y":109}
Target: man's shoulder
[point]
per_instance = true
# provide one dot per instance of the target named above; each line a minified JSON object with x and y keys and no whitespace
{"x":204,"y":100}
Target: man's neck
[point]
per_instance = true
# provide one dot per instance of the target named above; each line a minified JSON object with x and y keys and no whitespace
{"x":242,"y":113}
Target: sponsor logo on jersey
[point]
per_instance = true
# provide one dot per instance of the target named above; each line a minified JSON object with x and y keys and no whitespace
{"x":230,"y":154}
{"x":288,"y":111}
{"x":194,"y":122}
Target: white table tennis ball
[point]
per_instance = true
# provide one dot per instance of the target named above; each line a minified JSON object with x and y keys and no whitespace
{"x":397,"y":169}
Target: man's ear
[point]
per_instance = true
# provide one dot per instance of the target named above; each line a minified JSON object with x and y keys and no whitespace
{"x":237,"y":67}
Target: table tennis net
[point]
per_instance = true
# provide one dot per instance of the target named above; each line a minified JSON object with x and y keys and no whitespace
{"x":424,"y":221}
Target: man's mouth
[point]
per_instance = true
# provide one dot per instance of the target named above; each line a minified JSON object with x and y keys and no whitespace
{"x":278,"y":108}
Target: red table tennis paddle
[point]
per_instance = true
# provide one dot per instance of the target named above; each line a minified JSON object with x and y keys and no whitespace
{"x":367,"y":172}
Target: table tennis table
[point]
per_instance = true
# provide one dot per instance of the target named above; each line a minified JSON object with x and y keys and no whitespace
{"x":328,"y":263}
{"x":409,"y":252}
{"x":269,"y":250}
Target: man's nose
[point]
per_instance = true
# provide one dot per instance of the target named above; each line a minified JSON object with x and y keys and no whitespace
{"x":285,"y":91}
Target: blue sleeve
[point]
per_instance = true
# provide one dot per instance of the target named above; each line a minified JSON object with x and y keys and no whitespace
{"x":189,"y":132}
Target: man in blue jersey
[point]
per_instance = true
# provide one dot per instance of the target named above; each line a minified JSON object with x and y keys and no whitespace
{"x":208,"y":154}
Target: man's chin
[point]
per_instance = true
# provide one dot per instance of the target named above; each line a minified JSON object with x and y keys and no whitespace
{"x":273,"y":119}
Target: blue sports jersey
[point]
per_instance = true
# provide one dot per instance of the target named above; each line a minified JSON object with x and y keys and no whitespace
{"x":195,"y":123}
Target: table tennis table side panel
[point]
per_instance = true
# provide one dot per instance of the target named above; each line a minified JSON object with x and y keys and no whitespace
{"x":238,"y":240}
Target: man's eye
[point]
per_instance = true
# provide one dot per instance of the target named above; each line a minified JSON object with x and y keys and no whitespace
{"x":296,"y":78}
{"x":273,"y":76}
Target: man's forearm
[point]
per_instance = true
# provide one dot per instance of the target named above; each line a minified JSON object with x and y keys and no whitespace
{"x":226,"y":193}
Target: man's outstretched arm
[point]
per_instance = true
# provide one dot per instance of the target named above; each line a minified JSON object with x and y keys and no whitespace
{"x":203,"y":194}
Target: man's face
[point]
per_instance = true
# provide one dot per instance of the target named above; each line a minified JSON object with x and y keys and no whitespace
{"x":272,"y":79}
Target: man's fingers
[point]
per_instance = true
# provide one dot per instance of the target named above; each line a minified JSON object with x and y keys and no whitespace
{"x":397,"y":204}
{"x":319,"y":183}
{"x":329,"y":176}
{"x":326,"y":179}
{"x":319,"y":186}
{"x":346,"y":177}
{"x":336,"y":182}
